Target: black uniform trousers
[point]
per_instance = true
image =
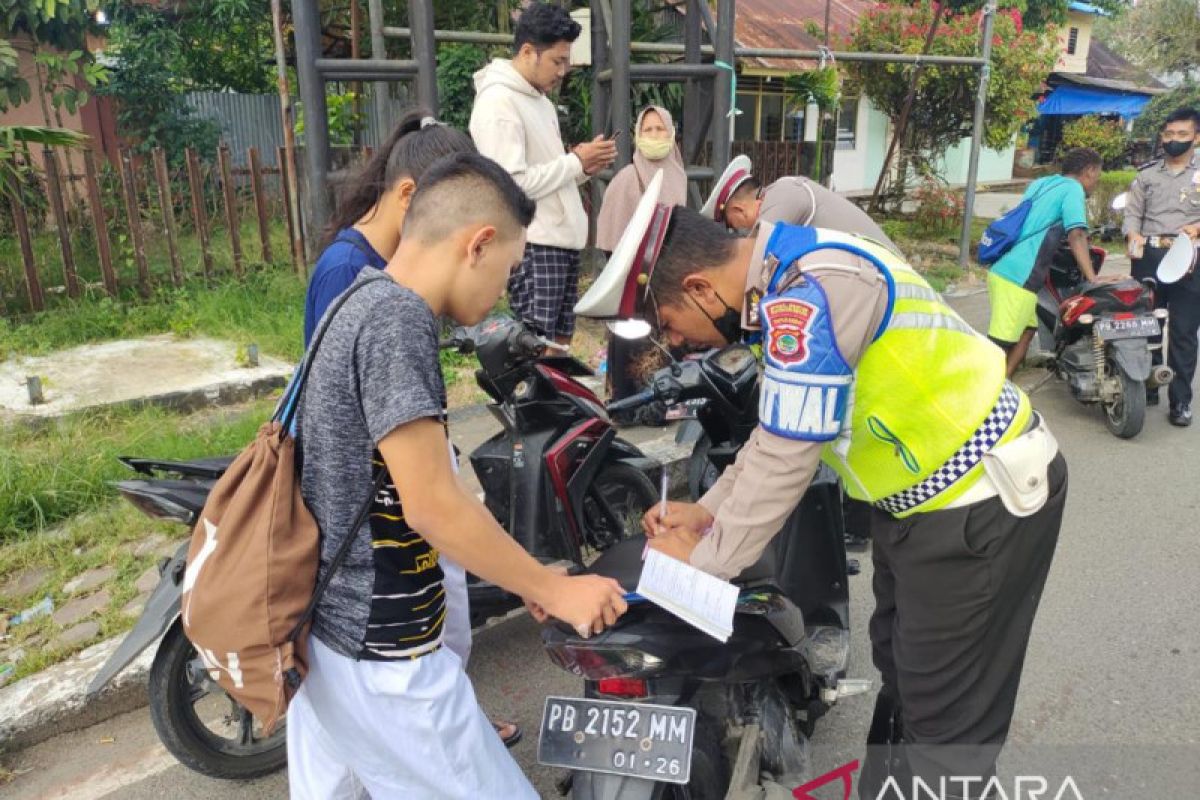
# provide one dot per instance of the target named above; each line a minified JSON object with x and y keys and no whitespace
{"x":1182,"y":301}
{"x":955,"y":596}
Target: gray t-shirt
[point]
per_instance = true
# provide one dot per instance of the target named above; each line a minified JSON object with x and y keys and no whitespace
{"x":375,"y":370}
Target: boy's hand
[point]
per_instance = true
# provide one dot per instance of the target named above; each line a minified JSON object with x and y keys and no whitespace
{"x":691,"y":516}
{"x":588,"y":603}
{"x":596,"y":154}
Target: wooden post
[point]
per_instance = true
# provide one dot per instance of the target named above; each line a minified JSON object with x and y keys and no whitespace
{"x":37,"y":300}
{"x":100,"y":223}
{"x":231,"y":215}
{"x":54,"y":187}
{"x":135,"y":222}
{"x":199,"y":217}
{"x":284,"y":178}
{"x":166,"y":203}
{"x":260,"y":204}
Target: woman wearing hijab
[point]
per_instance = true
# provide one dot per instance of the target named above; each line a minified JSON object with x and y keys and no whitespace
{"x":656,"y":149}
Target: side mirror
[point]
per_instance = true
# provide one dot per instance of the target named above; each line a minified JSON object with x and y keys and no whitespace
{"x":1119,"y":202}
{"x":630,"y":328}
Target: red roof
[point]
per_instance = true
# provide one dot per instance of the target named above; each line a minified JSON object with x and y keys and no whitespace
{"x":787,"y":24}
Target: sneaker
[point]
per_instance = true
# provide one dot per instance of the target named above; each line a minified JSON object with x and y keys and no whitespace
{"x":1180,"y":416}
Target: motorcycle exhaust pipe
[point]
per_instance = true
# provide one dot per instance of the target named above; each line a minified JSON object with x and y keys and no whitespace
{"x":1160,"y":376}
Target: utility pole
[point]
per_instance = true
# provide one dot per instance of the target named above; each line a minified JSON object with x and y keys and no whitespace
{"x":985,"y":77}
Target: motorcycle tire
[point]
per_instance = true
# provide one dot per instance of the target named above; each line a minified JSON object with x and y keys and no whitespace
{"x":629,"y":493}
{"x":702,"y":474}
{"x":185,"y":734}
{"x":1125,"y":416}
{"x":710,"y":768}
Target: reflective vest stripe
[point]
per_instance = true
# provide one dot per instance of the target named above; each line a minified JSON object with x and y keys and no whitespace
{"x":913,"y":320}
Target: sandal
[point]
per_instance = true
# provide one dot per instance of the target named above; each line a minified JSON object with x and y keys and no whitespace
{"x":512,"y":738}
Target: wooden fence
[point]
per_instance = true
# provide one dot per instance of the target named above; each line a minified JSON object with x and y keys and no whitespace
{"x":144,"y":222}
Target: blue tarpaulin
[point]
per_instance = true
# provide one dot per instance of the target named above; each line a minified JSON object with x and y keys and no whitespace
{"x":1076,"y":100}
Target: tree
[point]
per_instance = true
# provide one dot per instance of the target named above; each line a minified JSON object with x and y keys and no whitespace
{"x":1162,"y":36}
{"x":942,"y":113}
{"x":1150,"y":121}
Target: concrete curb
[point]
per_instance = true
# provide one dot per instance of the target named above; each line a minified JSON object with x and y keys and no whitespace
{"x":54,"y":701}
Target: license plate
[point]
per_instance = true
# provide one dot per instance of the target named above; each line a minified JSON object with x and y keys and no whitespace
{"x":1138,"y":327}
{"x":636,"y":739}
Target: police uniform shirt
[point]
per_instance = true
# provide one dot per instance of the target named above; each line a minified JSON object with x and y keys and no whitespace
{"x":746,"y":520}
{"x":1162,"y":202}
{"x":790,"y":200}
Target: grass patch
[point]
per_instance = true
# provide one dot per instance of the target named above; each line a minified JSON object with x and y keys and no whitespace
{"x":51,"y":473}
{"x":266,"y":306}
{"x":99,"y":538}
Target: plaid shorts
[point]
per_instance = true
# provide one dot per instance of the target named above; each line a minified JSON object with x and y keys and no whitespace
{"x":543,"y":290}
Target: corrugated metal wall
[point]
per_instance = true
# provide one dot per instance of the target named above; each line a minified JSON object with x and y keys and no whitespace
{"x":246,"y":120}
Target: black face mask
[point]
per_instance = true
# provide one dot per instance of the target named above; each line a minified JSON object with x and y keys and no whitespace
{"x":729,"y":324}
{"x":1176,"y":149}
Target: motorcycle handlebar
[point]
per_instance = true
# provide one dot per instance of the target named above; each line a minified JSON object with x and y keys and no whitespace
{"x":633,"y":401}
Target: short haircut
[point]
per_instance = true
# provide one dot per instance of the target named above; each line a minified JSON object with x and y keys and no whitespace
{"x":749,"y":186}
{"x":1078,"y":159}
{"x":693,"y":243}
{"x":466,"y":189}
{"x":543,"y":26}
{"x":1183,"y":115}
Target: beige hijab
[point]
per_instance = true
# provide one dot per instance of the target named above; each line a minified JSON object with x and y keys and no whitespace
{"x":623,"y":194}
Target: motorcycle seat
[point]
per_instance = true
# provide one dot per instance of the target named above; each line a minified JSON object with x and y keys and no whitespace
{"x":623,"y":563}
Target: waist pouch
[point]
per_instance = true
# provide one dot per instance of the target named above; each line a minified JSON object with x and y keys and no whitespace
{"x":1019,"y":469}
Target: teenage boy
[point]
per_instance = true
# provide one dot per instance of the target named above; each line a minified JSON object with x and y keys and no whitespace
{"x":385,"y":707}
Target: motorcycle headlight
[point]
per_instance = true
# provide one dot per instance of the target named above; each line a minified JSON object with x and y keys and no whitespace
{"x":598,"y":663}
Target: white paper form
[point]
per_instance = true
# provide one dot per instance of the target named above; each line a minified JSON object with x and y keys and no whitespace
{"x":692,"y":595}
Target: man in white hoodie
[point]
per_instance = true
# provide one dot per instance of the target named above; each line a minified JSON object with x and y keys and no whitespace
{"x":515,"y":123}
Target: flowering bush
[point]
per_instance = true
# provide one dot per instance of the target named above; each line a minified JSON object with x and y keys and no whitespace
{"x":1106,"y":136}
{"x":939,"y":209}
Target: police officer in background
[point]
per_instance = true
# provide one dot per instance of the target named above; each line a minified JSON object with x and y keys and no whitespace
{"x":867,"y":369}
{"x":739,"y":201}
{"x":1163,"y":200}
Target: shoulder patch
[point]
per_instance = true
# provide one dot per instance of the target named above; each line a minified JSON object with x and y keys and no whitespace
{"x":788,"y":320}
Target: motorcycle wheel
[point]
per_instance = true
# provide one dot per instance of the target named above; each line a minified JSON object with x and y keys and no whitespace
{"x":628,"y":493}
{"x":710,"y":769}
{"x":201,"y":725}
{"x":1126,"y":414}
{"x":702,"y":474}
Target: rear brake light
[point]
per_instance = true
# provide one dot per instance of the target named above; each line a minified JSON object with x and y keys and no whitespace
{"x":622,"y":687}
{"x":1128,"y":297}
{"x":1073,"y":307}
{"x":1123,"y":315}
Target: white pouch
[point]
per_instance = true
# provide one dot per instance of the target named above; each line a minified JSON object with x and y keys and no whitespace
{"x":1019,"y":469}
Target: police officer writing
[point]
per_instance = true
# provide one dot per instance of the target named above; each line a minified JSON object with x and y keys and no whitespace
{"x":1164,"y":199}
{"x":867,"y":369}
{"x":739,"y":201}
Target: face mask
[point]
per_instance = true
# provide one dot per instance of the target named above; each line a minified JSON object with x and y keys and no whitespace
{"x":655,"y":149}
{"x":1176,"y":149}
{"x":729,"y":324}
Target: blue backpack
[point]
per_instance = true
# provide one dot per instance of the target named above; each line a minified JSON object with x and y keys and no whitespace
{"x":1005,"y":233}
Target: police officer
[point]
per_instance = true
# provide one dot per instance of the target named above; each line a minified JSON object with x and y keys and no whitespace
{"x":1163,"y":199}
{"x":867,"y":369}
{"x":740,"y":201}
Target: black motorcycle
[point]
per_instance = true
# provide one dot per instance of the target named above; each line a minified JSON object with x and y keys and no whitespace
{"x":556,"y":477}
{"x":666,"y":705}
{"x":1099,"y":335}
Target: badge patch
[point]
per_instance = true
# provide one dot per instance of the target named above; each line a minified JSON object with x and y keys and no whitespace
{"x":788,"y":321}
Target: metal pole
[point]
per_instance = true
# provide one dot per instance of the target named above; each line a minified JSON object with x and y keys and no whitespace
{"x":620,"y":86}
{"x":379,"y":89}
{"x":289,"y":142}
{"x":693,"y":136}
{"x":985,"y":76}
{"x":424,"y":47}
{"x":307,"y":21}
{"x":723,"y":120}
{"x":600,"y":99}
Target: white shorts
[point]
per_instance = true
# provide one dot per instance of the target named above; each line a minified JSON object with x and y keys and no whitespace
{"x":394,"y":730}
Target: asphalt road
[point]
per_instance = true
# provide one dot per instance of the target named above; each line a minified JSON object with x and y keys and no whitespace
{"x":1110,"y":683}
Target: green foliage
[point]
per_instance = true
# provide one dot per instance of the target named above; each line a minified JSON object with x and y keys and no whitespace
{"x":14,"y":89}
{"x":1099,"y":202}
{"x":939,"y":209}
{"x":457,"y":64}
{"x":820,"y":86}
{"x":226,"y":45}
{"x":149,"y":92}
{"x":1106,"y":136}
{"x":1158,"y":35}
{"x":341,"y":112}
{"x":942,"y":114}
{"x":1151,"y":120}
{"x":63,"y":73}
